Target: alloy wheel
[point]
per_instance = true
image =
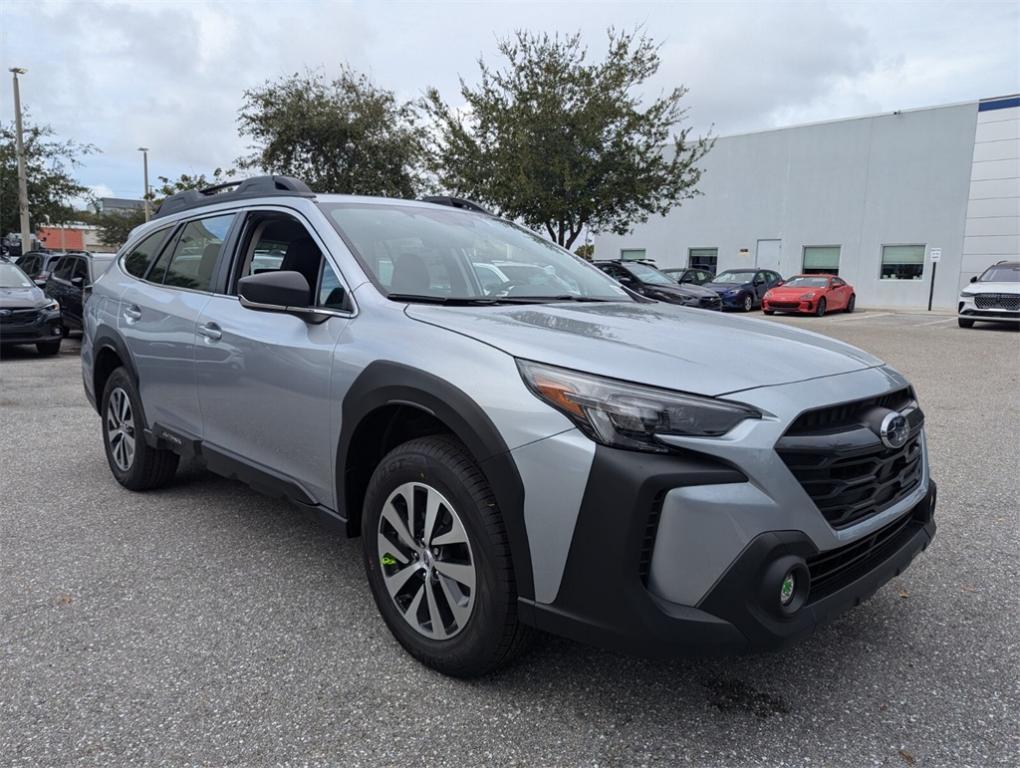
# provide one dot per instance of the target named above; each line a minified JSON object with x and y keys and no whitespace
{"x":426,"y":560}
{"x":120,"y":429}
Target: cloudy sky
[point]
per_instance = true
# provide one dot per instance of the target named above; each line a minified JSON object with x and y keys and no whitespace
{"x":170,"y":75}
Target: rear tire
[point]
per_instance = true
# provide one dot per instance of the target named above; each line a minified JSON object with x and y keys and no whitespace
{"x":485,"y":632}
{"x":48,"y":348}
{"x":820,"y":309}
{"x":850,"y":305}
{"x":134,"y":464}
{"x":965,"y":323}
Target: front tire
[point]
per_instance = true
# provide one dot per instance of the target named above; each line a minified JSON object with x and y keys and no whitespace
{"x":134,"y":464}
{"x":748,"y":303}
{"x":438,"y":559}
{"x":965,"y":323}
{"x":48,"y":348}
{"x":820,"y":309}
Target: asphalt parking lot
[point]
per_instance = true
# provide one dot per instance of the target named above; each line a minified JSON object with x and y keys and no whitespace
{"x":207,"y":625}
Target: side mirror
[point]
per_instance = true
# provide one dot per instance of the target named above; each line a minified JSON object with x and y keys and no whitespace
{"x":974,"y":279}
{"x":277,"y":291}
{"x":778,"y":283}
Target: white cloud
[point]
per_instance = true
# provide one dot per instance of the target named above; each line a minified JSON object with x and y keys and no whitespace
{"x":170,"y":75}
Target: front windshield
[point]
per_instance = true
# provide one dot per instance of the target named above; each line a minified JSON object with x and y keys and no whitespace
{"x":735,"y":276}
{"x":12,"y":277}
{"x":440,"y":253}
{"x":647,"y":274}
{"x":1002,"y":273}
{"x":807,"y":282}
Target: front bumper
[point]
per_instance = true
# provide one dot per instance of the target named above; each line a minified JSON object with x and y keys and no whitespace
{"x":605,"y":598}
{"x":968,"y":309}
{"x":732,"y":302}
{"x":45,"y":327}
{"x":807,"y":307}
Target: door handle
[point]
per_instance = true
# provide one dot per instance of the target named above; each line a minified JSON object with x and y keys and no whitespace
{"x":210,"y":331}
{"x":132,"y":312}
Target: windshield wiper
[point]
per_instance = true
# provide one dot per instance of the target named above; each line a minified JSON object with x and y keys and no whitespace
{"x":448,"y":300}
{"x":561,"y":297}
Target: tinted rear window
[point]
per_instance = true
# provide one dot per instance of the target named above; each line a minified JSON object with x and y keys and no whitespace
{"x":138,"y":259}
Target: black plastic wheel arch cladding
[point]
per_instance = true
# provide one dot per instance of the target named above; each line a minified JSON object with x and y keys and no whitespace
{"x":385,"y":383}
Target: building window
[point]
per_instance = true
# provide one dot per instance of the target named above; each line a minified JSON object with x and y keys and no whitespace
{"x":821,"y":259}
{"x":703,"y":258}
{"x":902,"y":262}
{"x":632,"y":254}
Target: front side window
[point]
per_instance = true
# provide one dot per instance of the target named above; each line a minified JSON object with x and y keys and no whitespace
{"x":703,"y":258}
{"x":332,"y":294}
{"x":902,"y":262}
{"x":821,"y":259}
{"x":196,"y":253}
{"x":137,"y":260}
{"x":439,"y":253}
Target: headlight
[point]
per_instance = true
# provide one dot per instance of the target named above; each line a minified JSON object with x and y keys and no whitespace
{"x":625,"y":415}
{"x":51,"y":305}
{"x":966,"y":295}
{"x":808,"y":295}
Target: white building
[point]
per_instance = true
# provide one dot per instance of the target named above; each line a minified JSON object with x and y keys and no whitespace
{"x":872,"y":198}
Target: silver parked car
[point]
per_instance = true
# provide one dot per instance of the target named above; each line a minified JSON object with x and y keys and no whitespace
{"x":515,"y":454}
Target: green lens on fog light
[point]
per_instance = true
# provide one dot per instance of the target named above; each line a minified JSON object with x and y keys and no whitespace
{"x":788,"y":587}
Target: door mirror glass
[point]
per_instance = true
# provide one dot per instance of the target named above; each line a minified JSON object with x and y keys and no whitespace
{"x":277,"y":291}
{"x":974,"y":279}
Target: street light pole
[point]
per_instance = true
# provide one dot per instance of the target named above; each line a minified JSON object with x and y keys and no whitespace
{"x":145,"y":166}
{"x":26,"y":232}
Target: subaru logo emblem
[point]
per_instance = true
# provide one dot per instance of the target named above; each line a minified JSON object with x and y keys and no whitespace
{"x":894,"y":430}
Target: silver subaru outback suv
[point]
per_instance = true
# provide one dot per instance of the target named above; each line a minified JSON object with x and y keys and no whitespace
{"x":552,"y":452}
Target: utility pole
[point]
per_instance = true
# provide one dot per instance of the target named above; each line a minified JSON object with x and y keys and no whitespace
{"x":26,"y":233}
{"x":145,"y":166}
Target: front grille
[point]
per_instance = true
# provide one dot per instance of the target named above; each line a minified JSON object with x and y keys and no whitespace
{"x":1007,"y":301}
{"x":845,"y":414}
{"x":710,"y":301}
{"x":784,"y":305}
{"x":832,"y":569}
{"x":20,"y":318}
{"x":648,"y":540}
{"x":842,"y":465}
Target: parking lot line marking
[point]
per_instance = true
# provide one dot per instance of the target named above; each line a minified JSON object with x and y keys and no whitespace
{"x":866,"y":315}
{"x":936,"y":322}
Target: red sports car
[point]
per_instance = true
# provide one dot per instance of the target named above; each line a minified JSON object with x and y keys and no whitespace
{"x":810,"y":294}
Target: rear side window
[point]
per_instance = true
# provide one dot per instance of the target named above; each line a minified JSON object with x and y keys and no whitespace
{"x":81,"y":269}
{"x":196,"y":253}
{"x":138,"y":259}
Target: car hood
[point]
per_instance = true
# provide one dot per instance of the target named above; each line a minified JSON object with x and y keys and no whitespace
{"x":21,"y":298}
{"x":785,"y":290}
{"x":675,"y":289}
{"x":991,"y":288}
{"x":723,"y":287}
{"x":658,"y":344}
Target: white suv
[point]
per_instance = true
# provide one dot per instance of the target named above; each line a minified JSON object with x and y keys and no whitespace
{"x":994,"y":297}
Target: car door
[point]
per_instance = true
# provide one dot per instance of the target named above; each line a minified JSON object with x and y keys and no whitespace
{"x":264,"y":377}
{"x":841,"y":292}
{"x":71,"y":304}
{"x":760,"y":285}
{"x":158,"y":319}
{"x":59,"y":280}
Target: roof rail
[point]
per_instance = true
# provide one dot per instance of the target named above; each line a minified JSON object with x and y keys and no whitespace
{"x":456,"y":202}
{"x":256,"y":186}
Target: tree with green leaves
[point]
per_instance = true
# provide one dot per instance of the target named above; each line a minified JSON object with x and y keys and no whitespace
{"x":115,"y":226}
{"x":50,"y":165}
{"x":344,"y":135}
{"x":563,"y":143}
